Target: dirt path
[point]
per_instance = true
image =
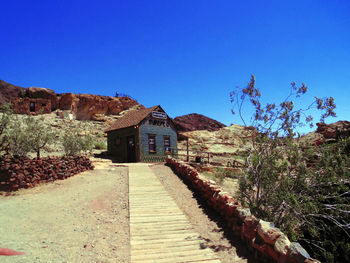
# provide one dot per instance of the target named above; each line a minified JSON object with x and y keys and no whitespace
{"x":81,"y":219}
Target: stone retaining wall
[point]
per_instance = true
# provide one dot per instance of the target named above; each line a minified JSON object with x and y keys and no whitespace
{"x":263,"y":238}
{"x":18,"y":173}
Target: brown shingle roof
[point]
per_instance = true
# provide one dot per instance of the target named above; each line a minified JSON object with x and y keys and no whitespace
{"x":130,"y":119}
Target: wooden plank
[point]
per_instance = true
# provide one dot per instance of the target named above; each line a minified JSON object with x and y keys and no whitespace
{"x":159,"y":230}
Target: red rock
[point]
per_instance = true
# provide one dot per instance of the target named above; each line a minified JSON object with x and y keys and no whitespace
{"x":248,"y":232}
{"x":68,"y":101}
{"x":330,"y":132}
{"x":272,"y":253}
{"x":261,"y":247}
{"x":251,"y":221}
{"x":311,"y":260}
{"x":282,"y":244}
{"x":268,"y":233}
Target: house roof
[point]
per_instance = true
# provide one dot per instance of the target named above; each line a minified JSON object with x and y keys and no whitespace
{"x":130,"y":119}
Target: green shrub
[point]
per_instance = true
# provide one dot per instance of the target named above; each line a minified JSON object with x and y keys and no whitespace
{"x":219,"y":174}
{"x":101,"y":145}
{"x":74,"y":142}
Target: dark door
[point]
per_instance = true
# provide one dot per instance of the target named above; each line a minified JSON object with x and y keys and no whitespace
{"x":131,"y":149}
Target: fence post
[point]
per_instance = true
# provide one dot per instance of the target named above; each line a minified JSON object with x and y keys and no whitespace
{"x":208,"y":158}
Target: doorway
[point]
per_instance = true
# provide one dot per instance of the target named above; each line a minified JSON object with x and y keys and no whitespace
{"x":32,"y":106}
{"x":131,"y":149}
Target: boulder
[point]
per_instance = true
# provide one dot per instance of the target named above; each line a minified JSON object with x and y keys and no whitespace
{"x":68,"y":101}
{"x":297,"y":253}
{"x":282,"y":244}
{"x":89,"y":105}
{"x":334,"y":130}
{"x":243,"y":213}
{"x":268,"y":232}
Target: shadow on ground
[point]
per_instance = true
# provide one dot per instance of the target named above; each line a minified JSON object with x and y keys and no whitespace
{"x":235,"y":241}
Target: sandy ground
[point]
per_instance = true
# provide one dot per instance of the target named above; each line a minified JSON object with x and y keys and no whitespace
{"x":85,"y":218}
{"x":204,"y":220}
{"x":82,"y":219}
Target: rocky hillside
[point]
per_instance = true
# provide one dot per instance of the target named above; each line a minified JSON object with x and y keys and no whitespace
{"x":327,"y":133}
{"x":78,"y":106}
{"x":194,"y":122}
{"x":224,"y":145}
{"x":9,"y":91}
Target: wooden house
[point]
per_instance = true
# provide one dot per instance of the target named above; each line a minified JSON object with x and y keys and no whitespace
{"x":146,"y":135}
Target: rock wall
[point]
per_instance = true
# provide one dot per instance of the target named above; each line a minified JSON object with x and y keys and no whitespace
{"x":23,"y":105}
{"x":332,"y":132}
{"x":82,"y":106}
{"x":263,"y":238}
{"x":16,"y":173}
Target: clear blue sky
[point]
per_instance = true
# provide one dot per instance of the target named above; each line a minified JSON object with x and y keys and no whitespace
{"x":184,"y":55}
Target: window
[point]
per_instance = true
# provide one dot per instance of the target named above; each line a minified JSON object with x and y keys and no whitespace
{"x":32,"y":107}
{"x":166,"y":144}
{"x":152,"y":143}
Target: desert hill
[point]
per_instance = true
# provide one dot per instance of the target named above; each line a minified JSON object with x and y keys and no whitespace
{"x":195,"y":121}
{"x":9,"y":91}
{"x":227,"y":143}
{"x":224,"y":144}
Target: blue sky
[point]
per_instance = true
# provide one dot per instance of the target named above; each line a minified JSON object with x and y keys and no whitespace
{"x":184,"y":55}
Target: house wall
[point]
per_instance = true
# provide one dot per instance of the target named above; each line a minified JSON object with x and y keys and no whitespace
{"x":119,"y":151}
{"x":160,"y":130}
{"x":22,"y":105}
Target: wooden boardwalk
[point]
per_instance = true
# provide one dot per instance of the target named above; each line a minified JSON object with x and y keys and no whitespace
{"x":159,"y":231}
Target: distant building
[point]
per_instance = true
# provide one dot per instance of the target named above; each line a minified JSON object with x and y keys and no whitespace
{"x":31,"y":105}
{"x":146,"y":135}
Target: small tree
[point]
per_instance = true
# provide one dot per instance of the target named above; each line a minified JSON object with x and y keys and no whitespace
{"x":279,"y":184}
{"x":18,"y":139}
{"x":40,"y":134}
